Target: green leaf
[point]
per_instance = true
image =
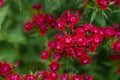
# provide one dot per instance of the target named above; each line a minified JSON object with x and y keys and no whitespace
{"x":104,"y":14}
{"x":3,"y":36}
{"x":93,"y":16}
{"x":16,"y":36}
{"x":100,"y":20}
{"x":3,"y":14}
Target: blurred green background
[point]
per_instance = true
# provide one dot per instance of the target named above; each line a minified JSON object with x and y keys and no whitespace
{"x":17,"y":45}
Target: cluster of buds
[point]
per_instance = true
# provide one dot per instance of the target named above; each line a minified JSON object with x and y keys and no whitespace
{"x":41,"y":21}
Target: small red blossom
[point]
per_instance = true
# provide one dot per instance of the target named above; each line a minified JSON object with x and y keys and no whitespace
{"x":73,"y":19}
{"x":85,"y":59}
{"x":68,"y":40}
{"x":80,"y":52}
{"x":5,"y":69}
{"x":96,"y":39}
{"x":80,"y":31}
{"x":37,"y":6}
{"x":45,"y":54}
{"x":88,"y":27}
{"x":38,"y":19}
{"x":61,"y":24}
{"x":28,"y":26}
{"x":109,"y":32}
{"x":103,"y":4}
{"x":54,"y":66}
{"x":81,"y":40}
{"x":14,"y":76}
{"x":76,"y":77}
{"x":53,"y":76}
{"x":29,"y":77}
{"x":52,"y":44}
{"x":116,"y":45}
{"x":64,"y":76}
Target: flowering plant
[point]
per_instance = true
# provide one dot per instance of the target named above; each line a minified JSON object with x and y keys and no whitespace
{"x":76,"y":40}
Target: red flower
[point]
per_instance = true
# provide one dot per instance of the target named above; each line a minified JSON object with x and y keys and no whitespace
{"x":5,"y":68}
{"x":64,"y":76}
{"x":59,"y":47}
{"x":92,"y":48}
{"x":88,"y":27}
{"x":39,"y":19}
{"x":1,"y":3}
{"x":61,"y":24}
{"x":68,"y":40}
{"x":45,"y":54}
{"x":71,"y":52}
{"x":90,"y":78}
{"x":116,"y":45}
{"x":53,"y":76}
{"x":80,"y":31}
{"x":76,"y":77}
{"x":103,"y":4}
{"x":57,"y":56}
{"x":52,"y":44}
{"x":73,"y":19}
{"x":96,"y":39}
{"x":85,"y":59}
{"x":81,"y":40}
{"x":80,"y":52}
{"x":37,"y":6}
{"x":54,"y":66}
{"x":109,"y":32}
{"x":29,"y":77}
{"x":49,"y":18}
{"x":14,"y":76}
{"x":43,"y":29}
{"x":28,"y":26}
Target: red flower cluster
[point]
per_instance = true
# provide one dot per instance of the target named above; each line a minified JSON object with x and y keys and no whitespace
{"x":44,"y":75}
{"x":5,"y":68}
{"x":78,"y":42}
{"x":103,"y":3}
{"x":68,"y":20}
{"x":40,"y":21}
{"x":16,"y":76}
{"x":54,"y":76}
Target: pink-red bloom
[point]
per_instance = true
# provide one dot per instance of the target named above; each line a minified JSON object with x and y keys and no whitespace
{"x":29,"y":77}
{"x":5,"y":68}
{"x":54,"y":66}
{"x":14,"y":76}
{"x":103,"y":4}
{"x":85,"y":59}
{"x":45,"y":54}
{"x":116,"y":45}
